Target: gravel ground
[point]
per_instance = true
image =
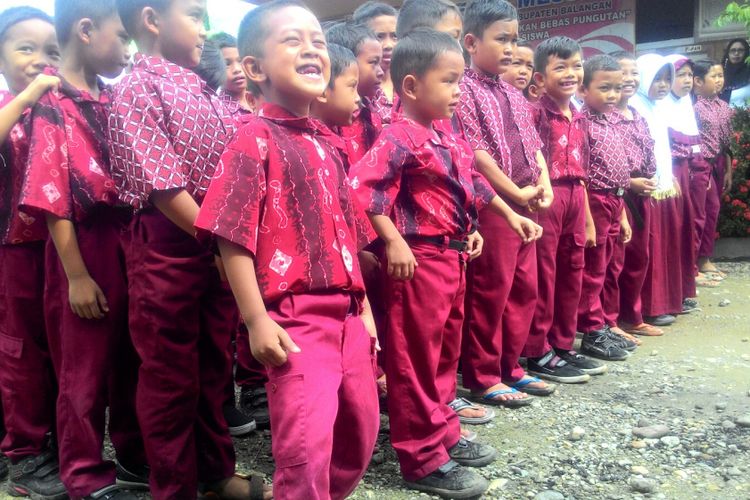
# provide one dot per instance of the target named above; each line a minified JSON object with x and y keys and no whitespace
{"x":687,"y":394}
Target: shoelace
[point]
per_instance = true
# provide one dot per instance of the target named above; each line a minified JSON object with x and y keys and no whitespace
{"x":606,"y":341}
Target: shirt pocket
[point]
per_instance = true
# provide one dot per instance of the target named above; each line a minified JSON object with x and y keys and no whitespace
{"x":11,"y":346}
{"x":576,"y":251}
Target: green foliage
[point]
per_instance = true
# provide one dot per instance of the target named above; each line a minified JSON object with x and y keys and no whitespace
{"x":734,"y":219}
{"x":735,"y":12}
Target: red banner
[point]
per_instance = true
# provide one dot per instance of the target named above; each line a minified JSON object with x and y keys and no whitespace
{"x":602,"y":26}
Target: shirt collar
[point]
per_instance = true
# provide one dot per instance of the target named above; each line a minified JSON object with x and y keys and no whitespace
{"x":418,"y":134}
{"x":80,"y":95}
{"x":614,"y":117}
{"x":162,"y":68}
{"x":278,"y":114}
{"x":481,"y":77}
{"x":550,"y":105}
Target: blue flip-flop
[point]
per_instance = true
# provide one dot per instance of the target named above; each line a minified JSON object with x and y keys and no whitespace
{"x":489,"y":399}
{"x":522,"y":385}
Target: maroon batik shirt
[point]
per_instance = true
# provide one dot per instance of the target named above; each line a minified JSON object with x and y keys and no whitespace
{"x":363,"y":132}
{"x":715,"y":125}
{"x":167,"y":130}
{"x":68,"y":173}
{"x":280,"y":192}
{"x":16,"y":226}
{"x":423,"y":179}
{"x":233,"y":105}
{"x":609,"y":167}
{"x":640,"y":146}
{"x":382,"y":106}
{"x":564,"y":140}
{"x":496,"y":118}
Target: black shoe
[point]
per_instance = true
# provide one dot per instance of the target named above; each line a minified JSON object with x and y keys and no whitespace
{"x":111,"y":492}
{"x":553,"y":367}
{"x":239,"y":424}
{"x":132,"y":477}
{"x":3,"y":467}
{"x":254,"y":403}
{"x":690,"y":305}
{"x":600,"y":345}
{"x":451,"y":480}
{"x":661,"y":320}
{"x":583,"y":363}
{"x":622,"y":342}
{"x":471,"y":454}
{"x":37,"y":477}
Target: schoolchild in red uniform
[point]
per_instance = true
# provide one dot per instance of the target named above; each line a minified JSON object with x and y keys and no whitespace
{"x":167,"y":131}
{"x":234,"y":91}
{"x":501,"y":284}
{"x":381,"y":18}
{"x":621,"y":297}
{"x":68,"y":182}
{"x":285,"y":222}
{"x":567,"y":225}
{"x":715,"y":125}
{"x":521,"y":69}
{"x":367,"y":124}
{"x":28,"y":45}
{"x":421,"y":193}
{"x":608,"y":172}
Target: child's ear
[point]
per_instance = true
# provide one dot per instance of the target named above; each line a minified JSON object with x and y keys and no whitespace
{"x":470,"y":43}
{"x":538,"y":79}
{"x":409,"y":87}
{"x":253,"y":69}
{"x":83,"y":28}
{"x":150,"y":19}
{"x":323,"y":99}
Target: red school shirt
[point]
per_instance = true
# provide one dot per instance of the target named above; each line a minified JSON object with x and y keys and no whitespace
{"x":496,"y":118}
{"x":715,"y":125}
{"x":608,"y":167}
{"x":68,"y":167}
{"x":16,"y":226}
{"x":280,"y":191}
{"x":565,"y":141}
{"x":640,"y":146}
{"x":364,"y":130}
{"x":382,"y":106}
{"x":423,"y":179}
{"x":167,"y":130}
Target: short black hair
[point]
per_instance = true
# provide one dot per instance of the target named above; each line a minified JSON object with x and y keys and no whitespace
{"x":370,"y":10}
{"x":623,"y":54}
{"x":599,"y":62}
{"x":212,"y":68}
{"x":130,"y":11}
{"x":69,"y":12}
{"x":524,"y":44}
{"x":14,"y":15}
{"x":350,"y":35}
{"x":702,"y":67}
{"x":416,"y":53}
{"x":422,"y":14}
{"x":560,"y":46}
{"x":254,"y":29}
{"x":341,"y":59}
{"x":479,"y":14}
{"x":224,"y":40}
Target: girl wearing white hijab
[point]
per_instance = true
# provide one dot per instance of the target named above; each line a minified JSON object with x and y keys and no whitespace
{"x":690,"y":169}
{"x":662,"y":290}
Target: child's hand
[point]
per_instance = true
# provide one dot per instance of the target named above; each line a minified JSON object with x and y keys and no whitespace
{"x":642,"y":186}
{"x":529,"y":194}
{"x":727,"y":181}
{"x":269,"y":343}
{"x":372,"y":331}
{"x":525,"y":228}
{"x":626,"y":232}
{"x":37,"y":88}
{"x":369,"y":263}
{"x":474,"y":245}
{"x":544,"y":201}
{"x":86,"y":298}
{"x":590,"y":234}
{"x":401,"y":260}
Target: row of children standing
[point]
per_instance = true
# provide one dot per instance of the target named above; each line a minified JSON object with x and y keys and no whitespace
{"x":378,"y":196}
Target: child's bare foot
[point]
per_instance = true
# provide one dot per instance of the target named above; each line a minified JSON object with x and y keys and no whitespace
{"x":240,"y":488}
{"x":622,"y":333}
{"x":502,"y":395}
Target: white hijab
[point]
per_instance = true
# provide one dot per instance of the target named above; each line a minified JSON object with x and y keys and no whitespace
{"x":653,"y":112}
{"x":681,"y":116}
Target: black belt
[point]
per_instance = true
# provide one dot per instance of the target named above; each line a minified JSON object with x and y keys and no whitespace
{"x":440,"y":241}
{"x":619,"y":192}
